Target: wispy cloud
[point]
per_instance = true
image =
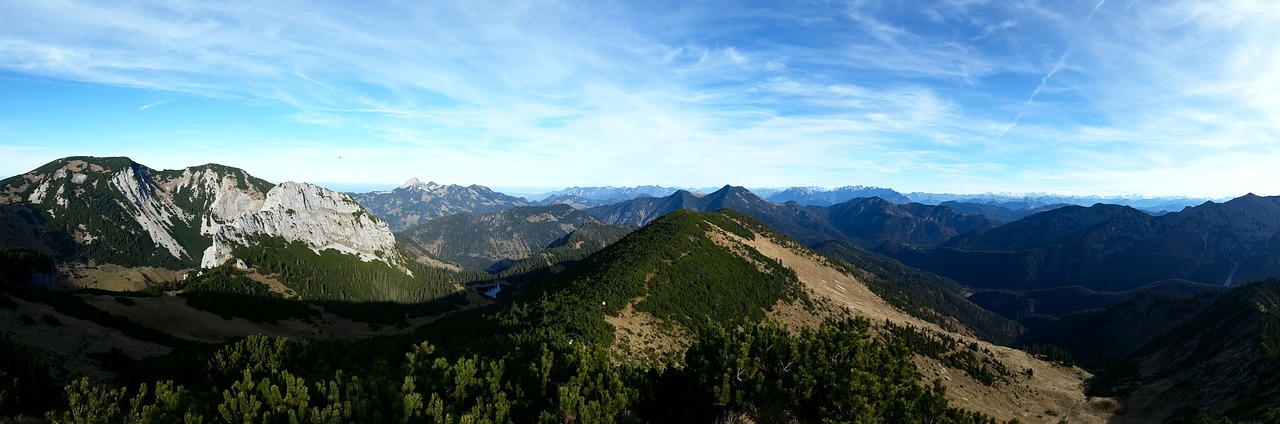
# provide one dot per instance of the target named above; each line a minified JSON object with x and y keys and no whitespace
{"x":153,"y":104}
{"x":700,"y":93}
{"x":1057,"y":66}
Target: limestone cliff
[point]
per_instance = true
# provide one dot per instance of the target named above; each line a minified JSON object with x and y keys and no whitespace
{"x":115,"y":210}
{"x":321,"y":218}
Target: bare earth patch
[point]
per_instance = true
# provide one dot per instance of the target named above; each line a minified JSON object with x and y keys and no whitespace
{"x":643,"y":339}
{"x":114,"y":277}
{"x":273,"y":284}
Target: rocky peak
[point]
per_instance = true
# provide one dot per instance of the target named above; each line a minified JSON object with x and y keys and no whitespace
{"x":416,"y":184}
{"x":219,"y":193}
{"x":321,"y":218}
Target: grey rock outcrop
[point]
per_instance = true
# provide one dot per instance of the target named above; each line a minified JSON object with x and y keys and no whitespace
{"x":114,"y":210}
{"x":321,"y":218}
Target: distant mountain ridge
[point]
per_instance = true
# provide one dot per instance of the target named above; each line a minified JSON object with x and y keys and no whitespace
{"x":1028,"y":201}
{"x":1113,"y":248}
{"x":817,"y":196}
{"x":864,"y":221}
{"x":416,"y":202}
{"x":496,"y":240}
{"x":585,"y":197}
{"x":1001,"y":213}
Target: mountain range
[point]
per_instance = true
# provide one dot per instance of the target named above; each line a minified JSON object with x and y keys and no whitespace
{"x":416,"y":202}
{"x":863,"y":221}
{"x":493,"y":242}
{"x":814,"y":196}
{"x":723,"y":306}
{"x":1152,"y":204}
{"x":818,"y":196}
{"x":1112,"y":248}
{"x":585,"y":197}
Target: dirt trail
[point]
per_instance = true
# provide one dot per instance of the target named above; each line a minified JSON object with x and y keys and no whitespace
{"x":1049,"y":394}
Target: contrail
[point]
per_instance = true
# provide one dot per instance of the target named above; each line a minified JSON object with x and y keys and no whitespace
{"x":1062,"y":61}
{"x":148,"y":106}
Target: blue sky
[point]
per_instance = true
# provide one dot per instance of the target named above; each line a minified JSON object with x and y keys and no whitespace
{"x":1073,"y":97}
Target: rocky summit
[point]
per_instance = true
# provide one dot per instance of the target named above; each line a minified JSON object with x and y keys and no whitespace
{"x":117,"y":211}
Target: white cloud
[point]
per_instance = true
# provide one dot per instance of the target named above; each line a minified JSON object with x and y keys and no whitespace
{"x":563,"y":93}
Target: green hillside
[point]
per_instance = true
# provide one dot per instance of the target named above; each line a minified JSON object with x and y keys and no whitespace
{"x":87,"y":204}
{"x":344,"y":284}
{"x":541,"y":357}
{"x":670,"y":268}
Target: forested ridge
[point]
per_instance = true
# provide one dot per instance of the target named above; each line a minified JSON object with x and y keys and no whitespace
{"x":540,"y":357}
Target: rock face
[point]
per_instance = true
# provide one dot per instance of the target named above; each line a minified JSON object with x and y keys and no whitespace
{"x":416,"y":202}
{"x":321,"y":218}
{"x":114,"y":210}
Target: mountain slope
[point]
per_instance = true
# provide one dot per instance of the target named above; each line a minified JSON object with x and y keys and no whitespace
{"x":494,"y":241}
{"x":416,"y":202}
{"x":873,"y":221}
{"x":648,"y":295}
{"x":931,"y":297}
{"x":1114,"y":248}
{"x":115,"y":211}
{"x":1229,"y":347}
{"x":655,"y":265}
{"x":590,"y":238}
{"x":1000,"y":213}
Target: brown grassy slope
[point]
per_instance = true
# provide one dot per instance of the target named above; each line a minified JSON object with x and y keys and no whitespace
{"x":1052,"y":393}
{"x":68,"y":342}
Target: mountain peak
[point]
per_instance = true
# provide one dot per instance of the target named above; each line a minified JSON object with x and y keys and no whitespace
{"x":415,"y":183}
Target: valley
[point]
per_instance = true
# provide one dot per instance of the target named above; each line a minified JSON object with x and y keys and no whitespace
{"x":288,"y":301}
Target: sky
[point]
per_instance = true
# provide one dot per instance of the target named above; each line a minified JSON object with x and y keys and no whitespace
{"x":1154,"y":98}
